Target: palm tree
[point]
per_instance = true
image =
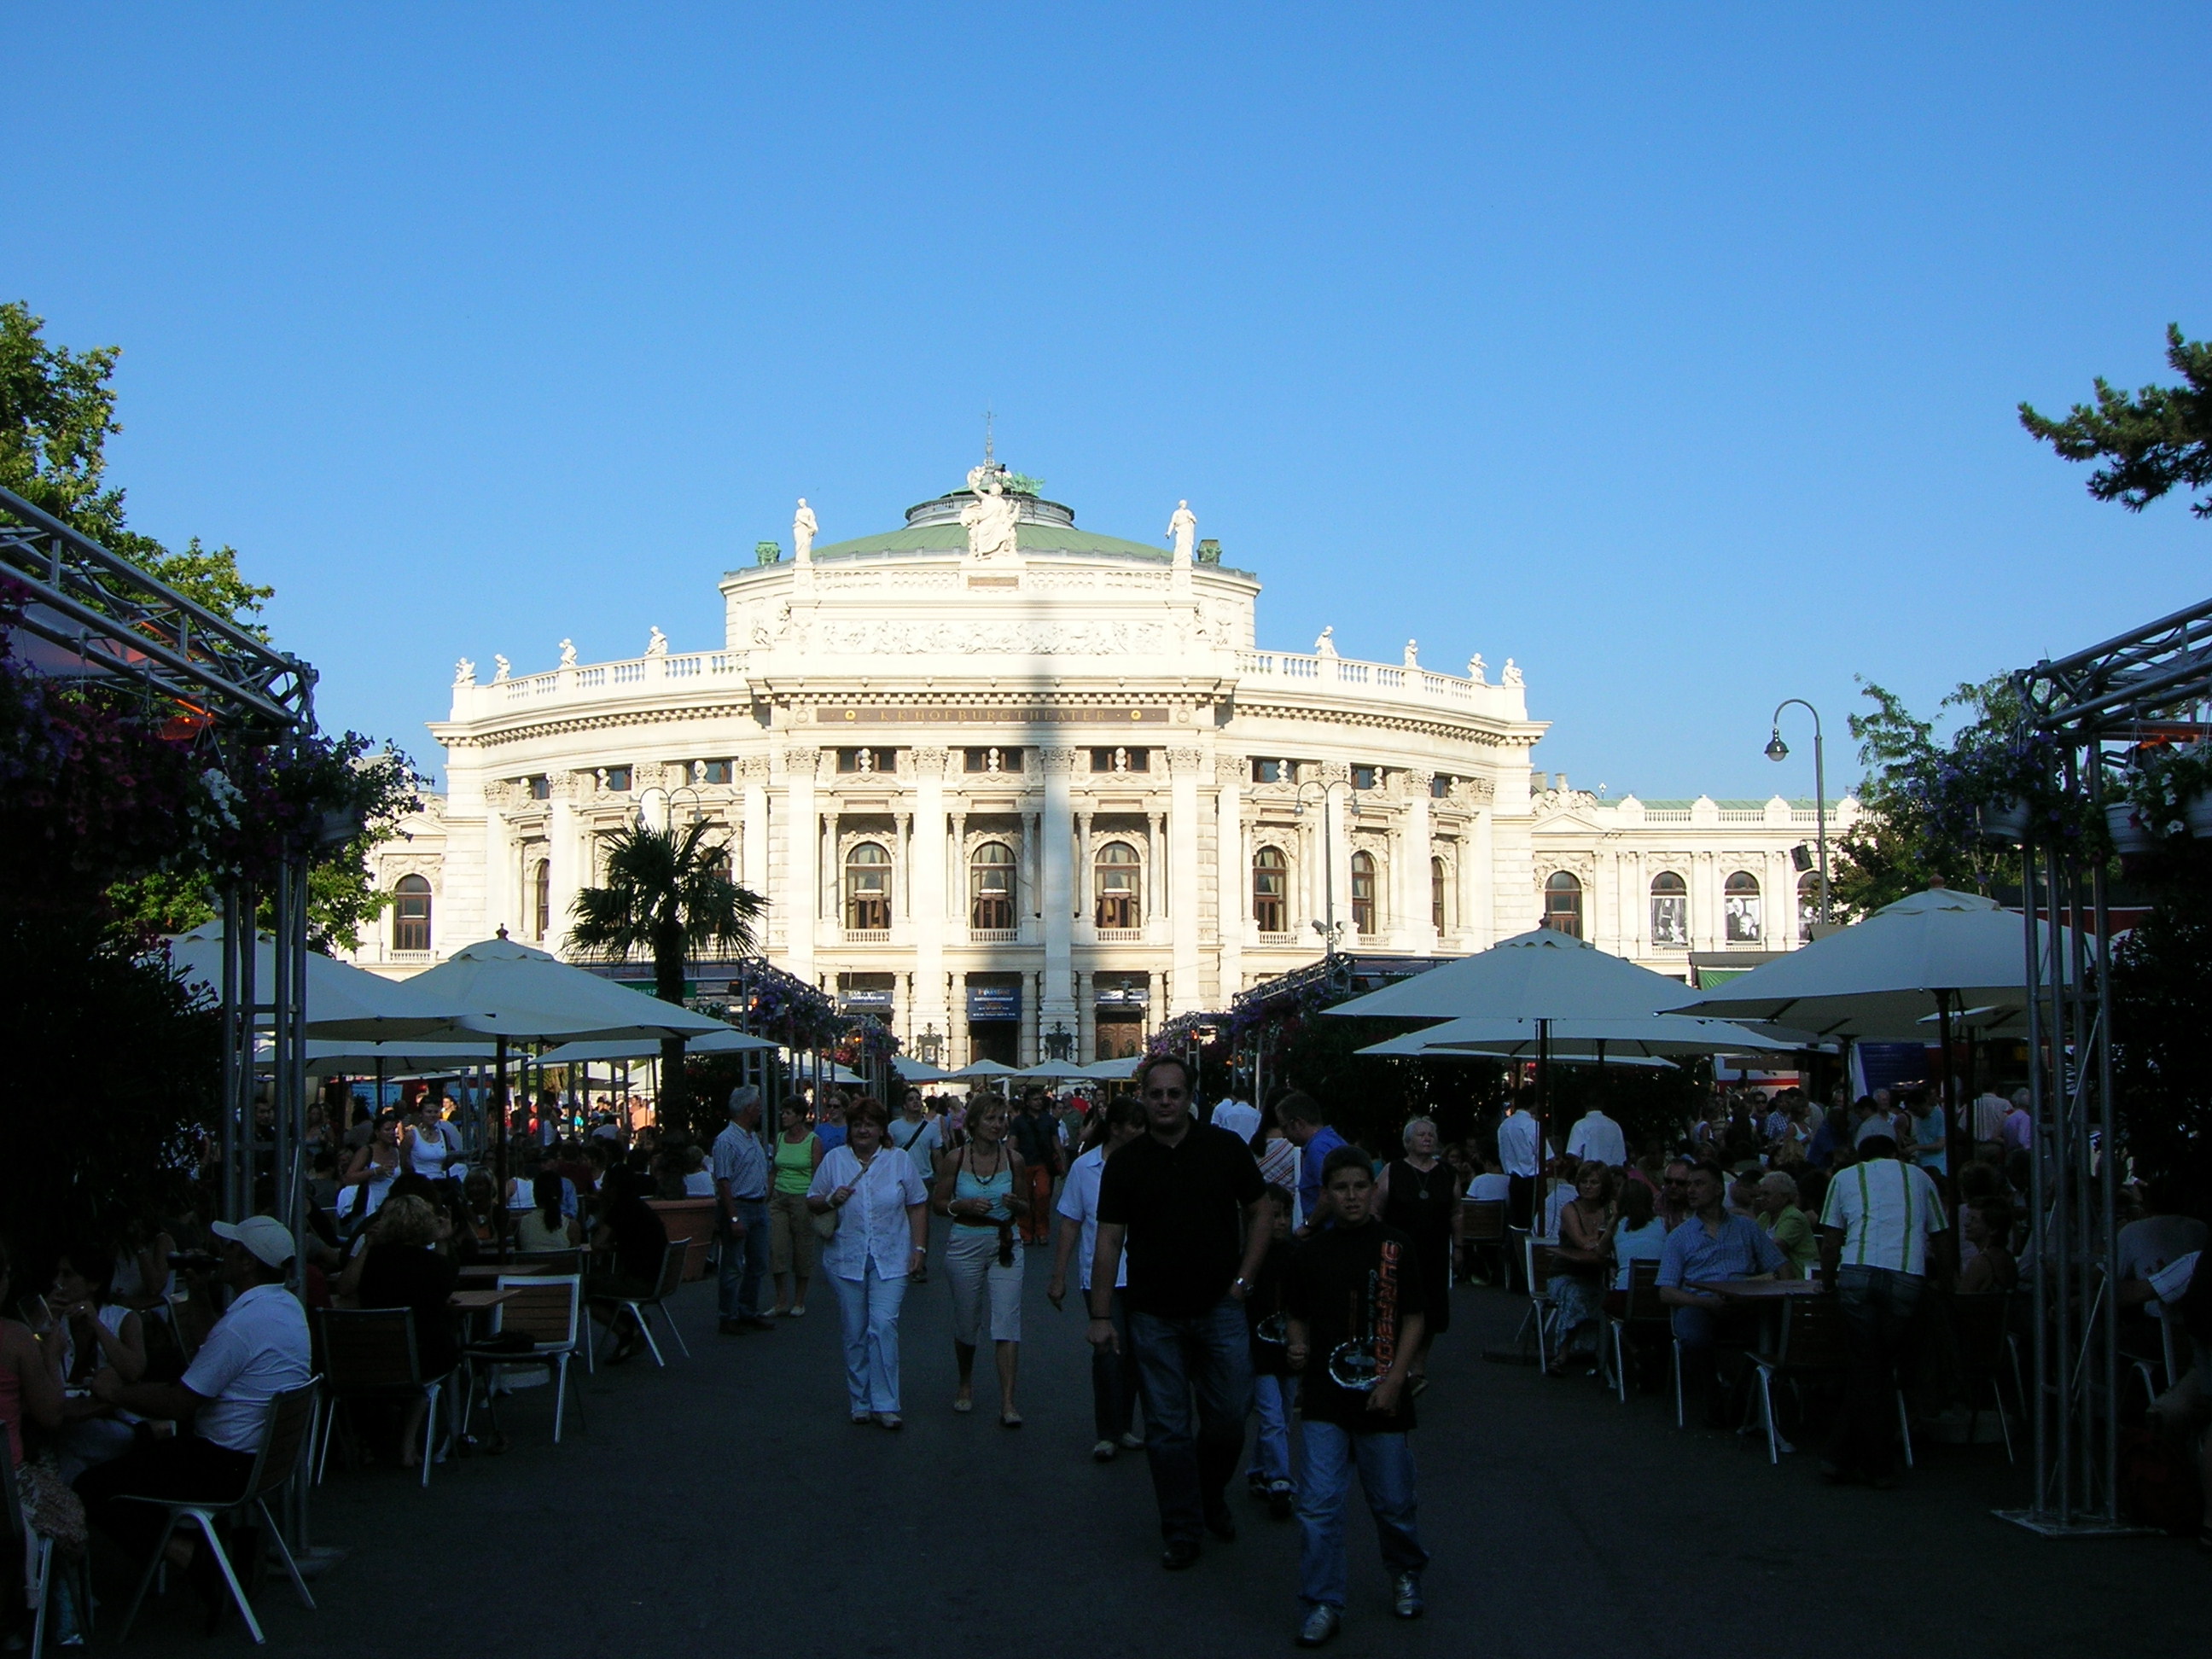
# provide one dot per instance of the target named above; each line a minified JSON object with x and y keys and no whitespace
{"x":669,"y":896}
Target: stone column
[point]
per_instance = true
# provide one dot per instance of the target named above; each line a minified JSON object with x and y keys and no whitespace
{"x":926,"y":910}
{"x":500,"y":905}
{"x":1482,"y":879}
{"x":1056,"y":832}
{"x":956,"y":1030}
{"x":1086,"y":1022}
{"x":1182,"y":874}
{"x":1417,"y":850}
{"x":1338,"y":849}
{"x":1156,"y":886}
{"x":903,"y":865}
{"x":1029,"y":876}
{"x":564,"y":850}
{"x":752,"y":850}
{"x":829,"y":898}
{"x":957,"y":914}
{"x":1230,"y":875}
{"x":802,"y":853}
{"x":1086,"y":915}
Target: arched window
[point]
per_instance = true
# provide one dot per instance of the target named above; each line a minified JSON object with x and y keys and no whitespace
{"x":1439,"y":888}
{"x":411,"y":914}
{"x":991,"y":886}
{"x":1363,"y":892}
{"x":1563,"y":903}
{"x":1740,"y":909}
{"x":867,"y":886}
{"x":1808,"y":905}
{"x":1119,"y":885}
{"x":541,"y":900}
{"x":1670,"y":912}
{"x":1271,"y":889}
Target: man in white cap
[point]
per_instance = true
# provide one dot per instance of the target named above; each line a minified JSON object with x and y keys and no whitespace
{"x":257,"y":1350}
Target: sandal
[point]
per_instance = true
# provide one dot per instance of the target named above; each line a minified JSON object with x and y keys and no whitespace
{"x":963,"y":1405}
{"x":1010,"y":1420}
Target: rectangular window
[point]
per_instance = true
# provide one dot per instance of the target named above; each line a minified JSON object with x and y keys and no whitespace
{"x":1366,"y":777}
{"x":1439,"y":788}
{"x":867,"y":760}
{"x":617,"y":779}
{"x":1270,"y":771}
{"x":991,"y":760}
{"x":1121,"y":760}
{"x":541,"y":787}
{"x":714,"y":771}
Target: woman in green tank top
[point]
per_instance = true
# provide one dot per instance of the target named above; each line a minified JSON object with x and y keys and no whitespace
{"x":790,"y":1226}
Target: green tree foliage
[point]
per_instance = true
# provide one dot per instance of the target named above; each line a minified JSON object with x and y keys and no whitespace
{"x":2158,"y":441}
{"x":668,"y":896}
{"x":1904,"y":840}
{"x":2161,"y":1006}
{"x":57,"y":414}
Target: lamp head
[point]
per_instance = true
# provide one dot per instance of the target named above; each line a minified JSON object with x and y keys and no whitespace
{"x":1776,"y":749}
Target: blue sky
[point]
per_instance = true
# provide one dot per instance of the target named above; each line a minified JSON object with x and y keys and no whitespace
{"x":1670,"y":351}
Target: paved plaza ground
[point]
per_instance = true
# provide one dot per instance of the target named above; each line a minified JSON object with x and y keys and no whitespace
{"x":725,"y":1505}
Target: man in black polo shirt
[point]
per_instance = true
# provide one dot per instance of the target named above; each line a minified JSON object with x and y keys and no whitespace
{"x":1188,"y":1200}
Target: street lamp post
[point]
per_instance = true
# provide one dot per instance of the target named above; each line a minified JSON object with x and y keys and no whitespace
{"x":644,"y":820}
{"x":1778,"y":750}
{"x":1328,"y":929}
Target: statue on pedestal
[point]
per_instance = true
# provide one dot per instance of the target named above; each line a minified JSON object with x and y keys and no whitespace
{"x":465,"y":673}
{"x":1182,"y":527}
{"x":803,"y":527}
{"x":657,"y":644}
{"x":1476,"y":670}
{"x":989,"y":518}
{"x":1412,"y":654}
{"x":567,"y":653}
{"x":1512,"y":674}
{"x":501,"y":668}
{"x":1325,"y":645}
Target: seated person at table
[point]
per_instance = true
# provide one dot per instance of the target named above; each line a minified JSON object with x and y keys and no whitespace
{"x":2165,"y":1234}
{"x":91,"y":1331}
{"x":1774,"y":1201}
{"x":633,"y":1231}
{"x":1987,"y":1228}
{"x":402,"y":1267}
{"x":257,"y":1350}
{"x":545,"y":1228}
{"x":1709,"y":1246}
{"x":1637,"y":1235}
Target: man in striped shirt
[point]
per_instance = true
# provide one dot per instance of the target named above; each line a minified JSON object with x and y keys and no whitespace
{"x":1876,"y":1228}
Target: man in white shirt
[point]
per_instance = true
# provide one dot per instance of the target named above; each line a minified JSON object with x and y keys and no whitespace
{"x":1516,"y":1152}
{"x":258,"y":1350}
{"x":1875,"y":1227}
{"x":1240,"y":1117}
{"x":1596,"y":1139}
{"x":1989,"y":1109}
{"x":1113,"y":1373}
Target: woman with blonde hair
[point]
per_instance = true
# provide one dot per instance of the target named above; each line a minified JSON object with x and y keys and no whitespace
{"x":400,"y":1267}
{"x":982,"y":1190}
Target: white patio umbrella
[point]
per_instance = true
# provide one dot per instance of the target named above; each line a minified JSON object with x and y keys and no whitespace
{"x":979,"y":1069}
{"x":1644,"y":1037}
{"x":918,"y":1071}
{"x":1543,"y":977}
{"x":727,"y":1041}
{"x":392,"y":1060}
{"x":1114,"y":1071}
{"x":1416,"y":1045}
{"x":512,"y":991}
{"x":1058,"y":1071}
{"x":1940,"y":953}
{"x":344,"y":1003}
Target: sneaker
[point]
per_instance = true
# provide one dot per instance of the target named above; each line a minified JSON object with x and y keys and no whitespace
{"x":1133,"y":1442}
{"x":1282,"y":1500}
{"x":1180,"y":1553}
{"x":1102,"y":1452}
{"x":1406,"y":1595}
{"x":1320,"y":1624}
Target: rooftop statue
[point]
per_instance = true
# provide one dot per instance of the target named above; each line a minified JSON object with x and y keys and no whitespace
{"x":803,"y":527}
{"x":501,"y":668}
{"x":989,"y":518}
{"x":657,"y":644}
{"x":1325,"y":645}
{"x":1475,"y":670}
{"x":1182,"y":527}
{"x":1412,"y":654}
{"x":567,"y":653}
{"x":1512,"y":674}
{"x":465,"y":673}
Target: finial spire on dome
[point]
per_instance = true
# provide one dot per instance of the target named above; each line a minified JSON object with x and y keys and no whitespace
{"x":988,"y":439}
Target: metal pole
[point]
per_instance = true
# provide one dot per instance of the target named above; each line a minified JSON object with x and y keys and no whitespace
{"x":2104,"y":1246}
{"x":1777,"y":751}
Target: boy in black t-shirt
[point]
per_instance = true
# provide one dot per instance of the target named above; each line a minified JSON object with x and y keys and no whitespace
{"x":1354,"y":1297}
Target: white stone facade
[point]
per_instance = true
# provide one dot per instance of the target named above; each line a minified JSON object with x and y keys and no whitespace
{"x":1066,"y":774}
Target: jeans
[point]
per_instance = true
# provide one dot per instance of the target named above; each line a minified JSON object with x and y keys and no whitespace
{"x":1877,"y":1305}
{"x":1702,"y":1332}
{"x":744,"y":1261}
{"x":182,"y":1467}
{"x":868,"y":1309}
{"x":1386,"y":1475}
{"x":1207,"y":1355}
{"x":1271,"y":1448}
{"x":1113,"y":1379}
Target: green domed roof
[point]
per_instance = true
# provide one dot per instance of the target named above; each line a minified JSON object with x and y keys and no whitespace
{"x":1043,"y":526}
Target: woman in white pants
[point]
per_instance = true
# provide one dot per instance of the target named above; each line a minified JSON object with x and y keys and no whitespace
{"x":882,"y":1237}
{"x":982,"y":1189}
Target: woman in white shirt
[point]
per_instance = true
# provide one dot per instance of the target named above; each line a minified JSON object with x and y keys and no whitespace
{"x":881,"y":1239}
{"x":1112,"y":1372}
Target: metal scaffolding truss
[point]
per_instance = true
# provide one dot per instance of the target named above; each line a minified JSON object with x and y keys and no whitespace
{"x":2094,"y":706}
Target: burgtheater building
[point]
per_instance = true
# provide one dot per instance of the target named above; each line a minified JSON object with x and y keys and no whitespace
{"x":1013,"y":786}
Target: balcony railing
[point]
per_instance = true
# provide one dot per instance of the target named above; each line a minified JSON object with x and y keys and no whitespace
{"x":1393,"y":680}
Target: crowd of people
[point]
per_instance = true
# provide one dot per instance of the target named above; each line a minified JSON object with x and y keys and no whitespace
{"x":1241,"y":1269}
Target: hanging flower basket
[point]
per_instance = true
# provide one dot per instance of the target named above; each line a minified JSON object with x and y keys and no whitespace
{"x":2005,"y":821}
{"x":2196,"y":813}
{"x":2130,"y":835}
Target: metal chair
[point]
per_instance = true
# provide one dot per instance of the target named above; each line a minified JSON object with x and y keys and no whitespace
{"x":1484,"y":1228}
{"x":1644,"y":1313}
{"x":1543,"y":1311}
{"x":1813,"y":1342}
{"x":641,"y":1307}
{"x":35,"y":1547}
{"x":1985,"y":1348}
{"x":548,"y":1310}
{"x":369,"y":1353}
{"x":284,"y":1435}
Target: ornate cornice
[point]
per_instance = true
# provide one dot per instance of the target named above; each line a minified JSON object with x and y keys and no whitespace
{"x":1185,"y":762}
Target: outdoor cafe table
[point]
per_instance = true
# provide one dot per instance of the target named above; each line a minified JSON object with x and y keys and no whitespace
{"x":484,"y":1275}
{"x":1759,"y":1289}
